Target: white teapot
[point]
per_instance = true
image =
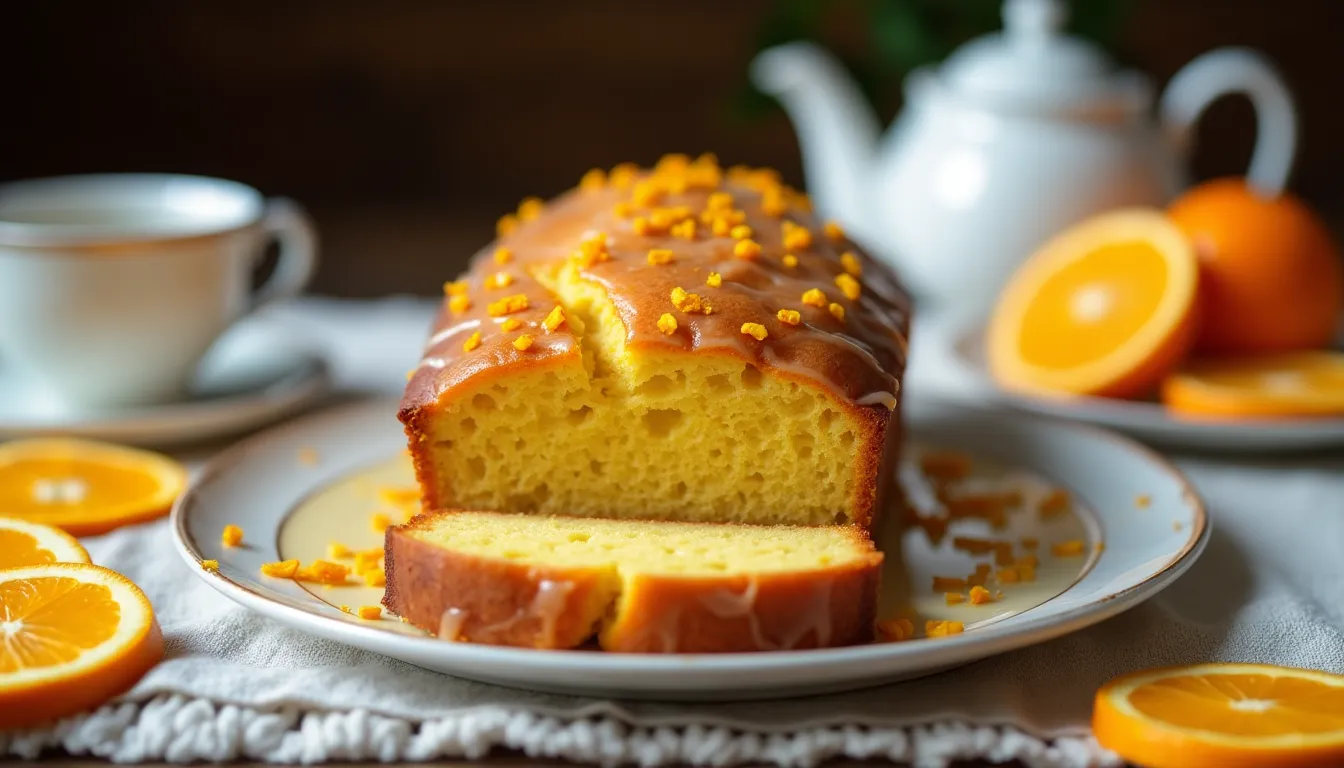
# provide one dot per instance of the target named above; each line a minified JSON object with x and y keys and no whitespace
{"x":1016,"y":136}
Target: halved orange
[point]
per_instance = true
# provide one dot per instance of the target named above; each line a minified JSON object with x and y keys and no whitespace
{"x":24,"y":543}
{"x":1224,"y":715}
{"x":72,"y":636}
{"x":1296,"y":384}
{"x":1105,"y":308}
{"x":86,"y":488}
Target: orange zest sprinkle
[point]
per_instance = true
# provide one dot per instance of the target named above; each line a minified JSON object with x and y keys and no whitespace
{"x":719,"y":201}
{"x":749,"y":250}
{"x":789,"y":316}
{"x":1143,"y":501}
{"x":210,"y":565}
{"x":814,"y":297}
{"x":593,"y":180}
{"x":323,"y":572}
{"x":980,"y":596}
{"x":755,"y":331}
{"x":592,"y":250}
{"x":623,"y":175}
{"x":684,"y":230}
{"x":660,"y":256}
{"x":943,"y":628}
{"x":837,"y":311}
{"x":833,"y":230}
{"x":849,"y":286}
{"x":459,"y":304}
{"x":714,"y":280}
{"x":232,"y":536}
{"x":374,"y":578}
{"x":338,"y":551}
{"x":1030,"y":542}
{"x":1072,"y":548}
{"x":507,"y":305}
{"x":1029,"y":561}
{"x":1054,"y":504}
{"x":686,"y":302}
{"x":522,"y":343}
{"x":796,"y":236}
{"x":948,"y":583}
{"x":740,"y":232}
{"x":953,"y":598}
{"x":624,"y":209}
{"x":499,"y":280}
{"x":530,"y":208}
{"x":790,"y":261}
{"x":473,"y":341}
{"x":370,"y":612}
{"x":506,"y":225}
{"x":285,"y":569}
{"x":510,"y":324}
{"x":380,"y":522}
{"x":945,"y":466}
{"x":554,"y":320}
{"x":455,"y":288}
{"x":667,"y":323}
{"x":851,"y":263}
{"x":1007,"y":575}
{"x":773,"y":203}
{"x":896,"y":630}
{"x":503,"y":255}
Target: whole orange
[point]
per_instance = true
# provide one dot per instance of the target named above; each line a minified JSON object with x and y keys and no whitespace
{"x":1271,"y":279}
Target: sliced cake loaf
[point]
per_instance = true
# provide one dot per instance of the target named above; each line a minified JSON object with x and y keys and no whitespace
{"x":686,"y":343}
{"x":638,"y":586}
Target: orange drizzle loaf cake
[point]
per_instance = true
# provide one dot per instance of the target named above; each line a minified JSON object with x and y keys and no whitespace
{"x":685,"y":343}
{"x":553,"y":582}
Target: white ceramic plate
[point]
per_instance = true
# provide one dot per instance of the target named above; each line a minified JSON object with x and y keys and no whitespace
{"x":1150,"y":422}
{"x":257,"y":374}
{"x":329,"y":467}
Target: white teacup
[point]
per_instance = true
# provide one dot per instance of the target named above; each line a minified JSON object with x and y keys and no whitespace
{"x":113,"y":287}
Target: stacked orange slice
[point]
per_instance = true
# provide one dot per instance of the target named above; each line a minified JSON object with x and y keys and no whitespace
{"x":72,"y":635}
{"x":1106,"y":308}
{"x":1224,"y":715}
{"x":86,"y":488}
{"x":1294,"y":384}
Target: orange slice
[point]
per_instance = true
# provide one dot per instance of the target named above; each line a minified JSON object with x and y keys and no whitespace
{"x":1225,"y":715}
{"x":86,"y":488}
{"x":1105,"y":308}
{"x":24,"y":543}
{"x":1288,"y":385}
{"x":72,"y":636}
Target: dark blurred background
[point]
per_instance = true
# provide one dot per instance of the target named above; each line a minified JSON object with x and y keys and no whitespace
{"x":408,"y":126}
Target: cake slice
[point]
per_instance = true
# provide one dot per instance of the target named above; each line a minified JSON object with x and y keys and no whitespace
{"x":685,"y":343}
{"x":639,"y":586}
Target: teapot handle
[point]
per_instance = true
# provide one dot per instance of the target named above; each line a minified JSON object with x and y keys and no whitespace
{"x":1237,"y":70}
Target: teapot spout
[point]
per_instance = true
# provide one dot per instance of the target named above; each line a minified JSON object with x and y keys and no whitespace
{"x":837,"y":130}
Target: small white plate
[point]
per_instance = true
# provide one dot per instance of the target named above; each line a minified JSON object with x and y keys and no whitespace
{"x":1149,"y":421}
{"x":255,"y":375}
{"x":330,"y":466}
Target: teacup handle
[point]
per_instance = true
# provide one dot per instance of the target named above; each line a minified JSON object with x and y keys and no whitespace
{"x":1238,"y":70}
{"x":285,"y":221}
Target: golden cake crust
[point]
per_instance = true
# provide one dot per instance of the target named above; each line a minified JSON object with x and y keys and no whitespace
{"x":771,"y":258}
{"x":500,"y":601}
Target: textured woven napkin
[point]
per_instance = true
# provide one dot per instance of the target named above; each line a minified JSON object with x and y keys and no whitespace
{"x":1270,"y":588}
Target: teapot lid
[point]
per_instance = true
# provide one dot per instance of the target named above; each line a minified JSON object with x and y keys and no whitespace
{"x":1033,"y":66}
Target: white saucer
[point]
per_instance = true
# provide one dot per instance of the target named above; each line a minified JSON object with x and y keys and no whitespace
{"x":1149,"y":421}
{"x":255,"y":375}
{"x":327,"y":467}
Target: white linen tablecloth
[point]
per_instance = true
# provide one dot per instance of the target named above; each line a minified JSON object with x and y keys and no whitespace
{"x":1270,"y":588}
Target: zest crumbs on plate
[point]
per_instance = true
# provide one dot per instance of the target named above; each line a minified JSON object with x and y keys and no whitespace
{"x":232,"y":536}
{"x":338,"y":551}
{"x":212,"y":566}
{"x":934,"y":628}
{"x":380,"y":522}
{"x":285,"y":569}
{"x":896,"y":630}
{"x":1071,"y":548}
{"x":370,"y":612}
{"x":1055,"y":503}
